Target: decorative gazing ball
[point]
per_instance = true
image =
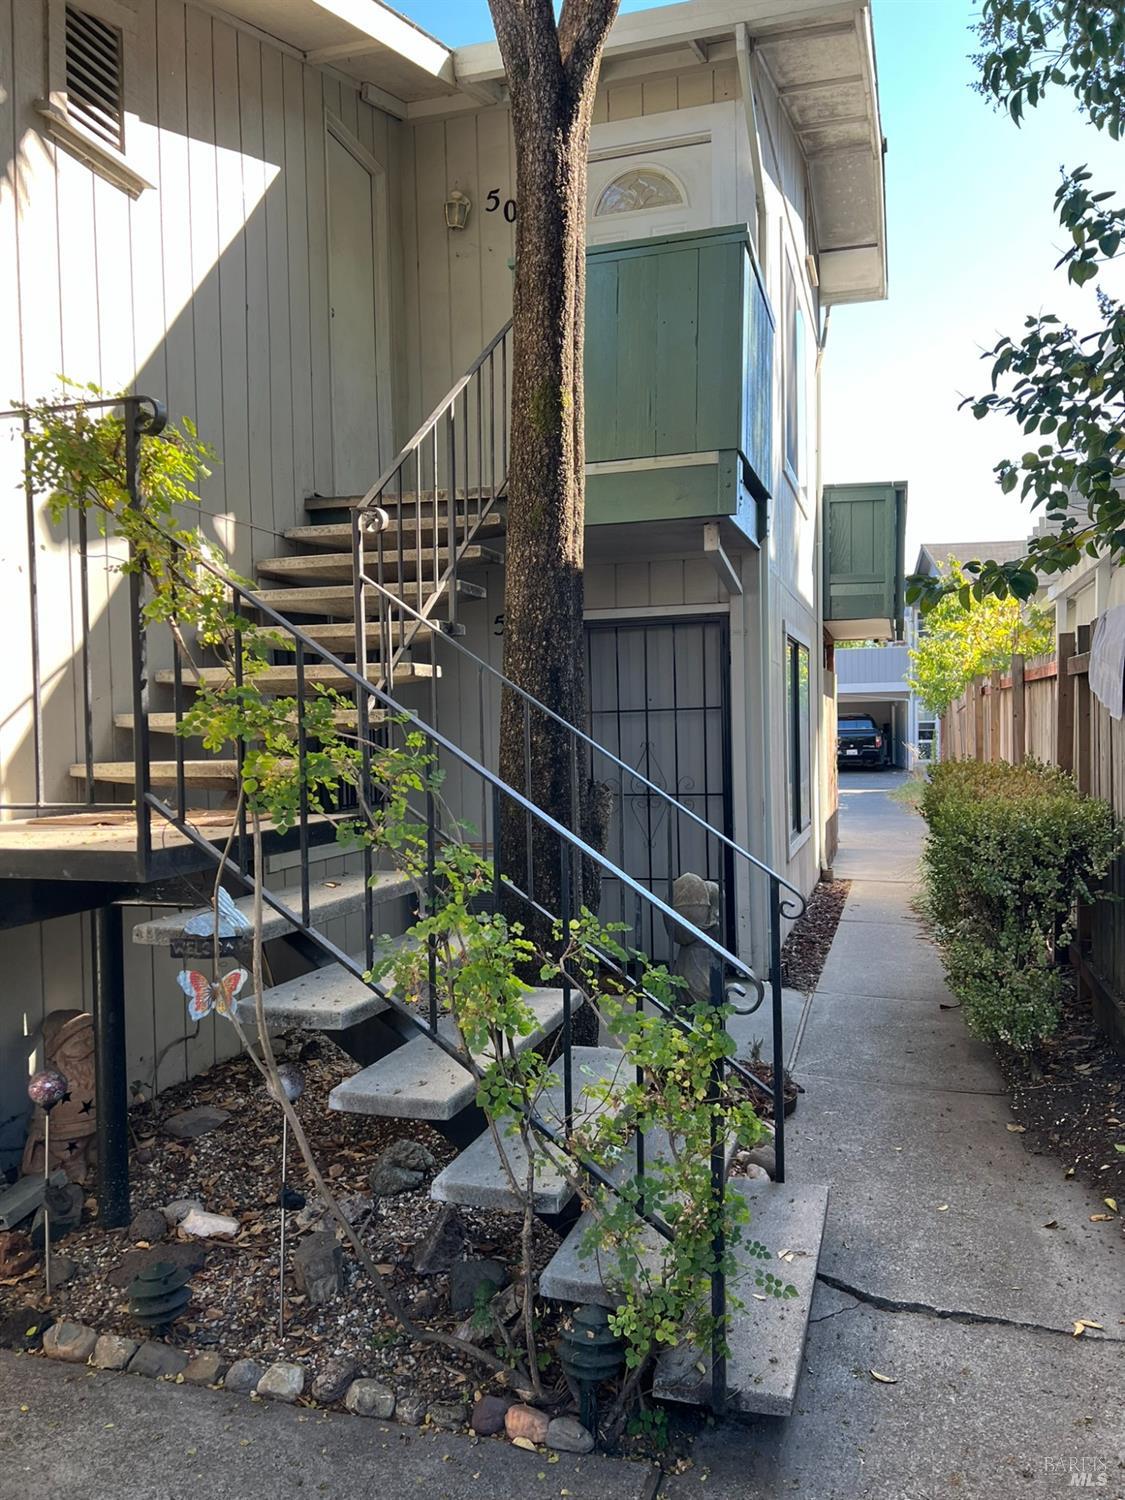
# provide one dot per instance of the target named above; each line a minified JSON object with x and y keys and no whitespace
{"x":292,"y":1082}
{"x":47,"y":1088}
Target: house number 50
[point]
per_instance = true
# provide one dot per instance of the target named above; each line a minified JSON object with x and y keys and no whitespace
{"x":507,"y":208}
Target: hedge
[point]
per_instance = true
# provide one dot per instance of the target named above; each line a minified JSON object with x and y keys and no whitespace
{"x":1010,"y":852}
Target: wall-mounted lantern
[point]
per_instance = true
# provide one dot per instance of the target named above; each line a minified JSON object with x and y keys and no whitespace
{"x":457,"y":207}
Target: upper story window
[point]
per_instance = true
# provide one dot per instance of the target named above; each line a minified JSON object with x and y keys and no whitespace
{"x":640,"y":187}
{"x":94,"y":86}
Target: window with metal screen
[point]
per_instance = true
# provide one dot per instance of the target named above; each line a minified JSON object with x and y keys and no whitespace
{"x":94,"y":89}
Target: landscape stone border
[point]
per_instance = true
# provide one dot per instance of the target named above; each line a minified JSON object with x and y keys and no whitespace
{"x":525,"y":1427}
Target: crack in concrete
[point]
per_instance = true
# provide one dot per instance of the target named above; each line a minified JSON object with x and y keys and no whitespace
{"x":948,"y":1314}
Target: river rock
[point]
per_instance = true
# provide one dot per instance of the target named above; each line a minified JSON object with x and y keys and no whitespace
{"x":158,"y":1361}
{"x":178,"y":1210}
{"x":199,"y":1225}
{"x":470,"y":1279}
{"x":526,"y":1422}
{"x":243,"y":1376}
{"x":189,"y":1124}
{"x":148,"y":1224}
{"x":65,"y":1204}
{"x":449,"y":1415}
{"x":401,"y":1167}
{"x":444,"y":1243}
{"x":369,"y":1398}
{"x":411,"y":1409}
{"x":71,"y":1342}
{"x":205,"y":1369}
{"x":332,"y":1381}
{"x":489,"y":1413}
{"x":112,"y":1352}
{"x":567,"y":1435}
{"x":282,"y":1382}
{"x":318,"y":1267}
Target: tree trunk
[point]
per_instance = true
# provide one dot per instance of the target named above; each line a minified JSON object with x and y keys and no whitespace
{"x":552,"y":76}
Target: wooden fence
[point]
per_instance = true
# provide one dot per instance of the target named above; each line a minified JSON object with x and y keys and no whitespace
{"x":1042,"y":708}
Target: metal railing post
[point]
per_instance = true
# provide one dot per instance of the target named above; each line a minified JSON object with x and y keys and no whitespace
{"x":778,"y":1047}
{"x":142,"y":763}
{"x":718,"y":1199}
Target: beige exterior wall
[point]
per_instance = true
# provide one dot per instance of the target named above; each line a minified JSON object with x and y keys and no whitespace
{"x":210,"y":291}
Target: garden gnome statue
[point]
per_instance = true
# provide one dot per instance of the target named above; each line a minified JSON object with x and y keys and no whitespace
{"x":68,"y":1046}
{"x":697,"y":901}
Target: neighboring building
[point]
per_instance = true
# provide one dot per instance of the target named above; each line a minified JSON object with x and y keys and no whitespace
{"x":254,"y":216}
{"x":874,"y":679}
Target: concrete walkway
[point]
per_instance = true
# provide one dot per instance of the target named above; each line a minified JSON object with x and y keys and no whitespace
{"x":938,"y":1269}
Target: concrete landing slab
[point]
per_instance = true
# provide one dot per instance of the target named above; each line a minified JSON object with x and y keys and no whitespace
{"x":421,"y":1082}
{"x":935,"y":1201}
{"x":981,"y":1413}
{"x":767,"y":1337}
{"x":477,"y":1178}
{"x":894,"y":1041}
{"x":883,"y":958}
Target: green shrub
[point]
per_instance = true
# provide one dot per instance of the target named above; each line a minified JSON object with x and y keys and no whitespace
{"x":1011,"y":850}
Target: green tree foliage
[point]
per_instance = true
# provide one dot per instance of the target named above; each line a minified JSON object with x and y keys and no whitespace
{"x":964,"y":638}
{"x":1065,"y":387}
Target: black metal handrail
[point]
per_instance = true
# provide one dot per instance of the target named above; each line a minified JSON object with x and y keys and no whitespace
{"x":780,"y":909}
{"x":441,"y":455}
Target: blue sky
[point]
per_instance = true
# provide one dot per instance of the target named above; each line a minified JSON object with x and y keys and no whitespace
{"x":972,"y":243}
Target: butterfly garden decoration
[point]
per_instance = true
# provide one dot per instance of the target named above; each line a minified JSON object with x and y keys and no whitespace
{"x":206,"y":995}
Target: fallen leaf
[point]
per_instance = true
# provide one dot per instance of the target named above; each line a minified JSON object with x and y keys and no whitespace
{"x":522,"y":1442}
{"x":1081,"y":1325}
{"x":1051,"y":1224}
{"x":943,"y":1208}
{"x":1120,"y":1146}
{"x":1101,"y":1218}
{"x":884,"y":1379}
{"x":1069,"y":1172}
{"x":1110,"y":1203}
{"x":1017,"y":1129}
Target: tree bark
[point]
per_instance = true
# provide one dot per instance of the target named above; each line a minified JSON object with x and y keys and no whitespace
{"x":552,"y":73}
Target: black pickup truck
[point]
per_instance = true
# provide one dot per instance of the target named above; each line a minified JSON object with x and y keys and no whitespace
{"x":859,"y":741}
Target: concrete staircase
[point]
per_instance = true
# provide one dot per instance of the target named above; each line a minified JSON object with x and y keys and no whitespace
{"x":318,"y":594}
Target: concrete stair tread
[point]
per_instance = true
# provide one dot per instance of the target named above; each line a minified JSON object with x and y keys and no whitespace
{"x":766,"y":1338}
{"x":338,"y":534}
{"x":283,"y":679}
{"x":165,"y":723}
{"x":328,"y":999}
{"x":215,"y":775}
{"x":476,"y":1178}
{"x":334,"y":567}
{"x":329,"y":897}
{"x":338,"y":600}
{"x":340,"y":637}
{"x":392,"y":500}
{"x":421,"y":1082}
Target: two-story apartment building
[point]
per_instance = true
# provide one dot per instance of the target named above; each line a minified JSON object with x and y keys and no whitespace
{"x":293,"y":222}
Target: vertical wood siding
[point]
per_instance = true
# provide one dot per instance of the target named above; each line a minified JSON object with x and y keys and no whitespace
{"x":209,"y":291}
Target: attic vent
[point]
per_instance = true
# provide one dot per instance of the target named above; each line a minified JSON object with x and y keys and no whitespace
{"x":93,"y":77}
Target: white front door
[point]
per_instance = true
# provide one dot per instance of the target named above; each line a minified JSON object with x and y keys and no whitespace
{"x":353,"y":333}
{"x":656,"y":189}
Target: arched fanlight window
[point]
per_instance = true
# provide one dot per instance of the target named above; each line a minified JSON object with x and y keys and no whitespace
{"x":640,"y":187}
